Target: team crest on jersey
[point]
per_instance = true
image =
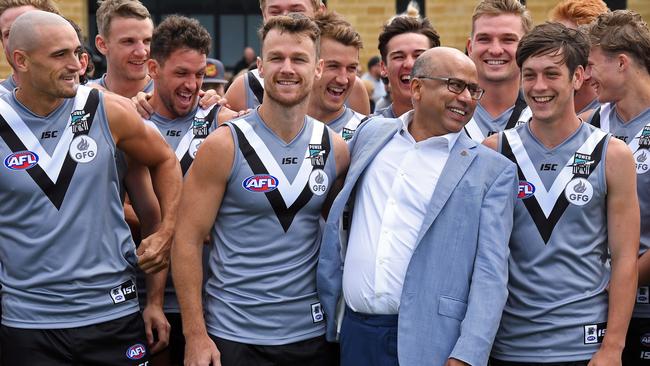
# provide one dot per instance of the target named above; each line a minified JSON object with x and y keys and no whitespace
{"x":526,"y":190}
{"x":318,"y":182}
{"x":519,"y":123}
{"x":200,"y":126}
{"x":579,"y":191}
{"x":643,"y":295}
{"x":136,"y":352}
{"x":582,"y":164}
{"x":644,"y":138}
{"x":261,"y":183}
{"x":21,"y":160}
{"x":194,"y":146}
{"x":79,"y":121}
{"x":83,"y":149}
{"x":347,"y":134}
{"x":317,"y":154}
{"x":641,"y":159}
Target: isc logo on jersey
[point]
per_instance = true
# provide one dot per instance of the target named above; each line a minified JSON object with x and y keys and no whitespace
{"x":21,"y":160}
{"x":526,"y":190}
{"x":260,"y":183}
{"x":136,"y":352}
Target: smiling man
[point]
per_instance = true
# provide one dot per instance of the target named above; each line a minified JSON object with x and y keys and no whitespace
{"x":401,"y":41}
{"x":416,"y":290}
{"x":339,"y":50}
{"x":497,"y":27}
{"x":259,"y":185}
{"x":577,"y":202}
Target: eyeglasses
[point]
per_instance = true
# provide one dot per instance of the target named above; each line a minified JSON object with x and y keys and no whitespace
{"x":457,"y":86}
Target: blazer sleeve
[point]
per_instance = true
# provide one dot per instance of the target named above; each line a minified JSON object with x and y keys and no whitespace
{"x":488,"y":290}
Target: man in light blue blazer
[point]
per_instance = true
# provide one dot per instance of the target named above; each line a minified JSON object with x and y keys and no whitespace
{"x":416,"y":245}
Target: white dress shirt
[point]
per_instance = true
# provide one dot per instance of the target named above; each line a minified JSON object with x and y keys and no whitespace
{"x":391,"y":200}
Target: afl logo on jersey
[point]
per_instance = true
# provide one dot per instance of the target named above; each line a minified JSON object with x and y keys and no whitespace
{"x":21,"y":160}
{"x":136,"y":352}
{"x":645,"y":340}
{"x":83,"y":149}
{"x":260,"y":183}
{"x":579,"y":191}
{"x":526,"y":190}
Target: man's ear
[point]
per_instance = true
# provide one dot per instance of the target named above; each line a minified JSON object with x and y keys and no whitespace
{"x":100,"y":44}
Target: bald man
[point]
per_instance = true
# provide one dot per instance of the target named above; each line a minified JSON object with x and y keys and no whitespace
{"x":415,"y":178}
{"x":68,"y":258}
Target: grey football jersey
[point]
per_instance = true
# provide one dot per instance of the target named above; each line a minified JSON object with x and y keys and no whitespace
{"x":482,"y":125}
{"x":346,"y":123}
{"x":636,"y":134}
{"x":252,"y":99}
{"x":557,"y":305}
{"x":8,"y":85}
{"x":67,"y":255}
{"x":262,"y":288}
{"x":184,"y":135}
{"x":148,"y":88}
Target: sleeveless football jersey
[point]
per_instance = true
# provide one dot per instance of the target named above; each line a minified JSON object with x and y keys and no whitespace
{"x":148,"y":88}
{"x":482,"y":125}
{"x":67,"y":255}
{"x":8,"y":85}
{"x":254,"y":88}
{"x":557,"y":305}
{"x":636,"y":134}
{"x":184,"y":135}
{"x":346,"y":123}
{"x":262,"y":287}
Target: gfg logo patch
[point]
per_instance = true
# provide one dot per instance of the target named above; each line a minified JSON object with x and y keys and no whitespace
{"x":136,"y":352}
{"x":260,"y":183}
{"x":21,"y":160}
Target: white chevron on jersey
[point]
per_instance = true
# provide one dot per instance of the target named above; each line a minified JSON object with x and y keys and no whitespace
{"x":605,"y":110}
{"x":257,"y":75}
{"x":288,"y":190}
{"x":548,"y":198}
{"x":50,"y":164}
{"x":184,"y":144}
{"x":3,"y":90}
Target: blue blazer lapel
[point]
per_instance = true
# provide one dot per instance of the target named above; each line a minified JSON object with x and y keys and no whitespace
{"x":460,"y":158}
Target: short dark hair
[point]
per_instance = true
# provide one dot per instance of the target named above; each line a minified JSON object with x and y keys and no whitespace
{"x":554,"y":38}
{"x":406,"y":24}
{"x":293,"y":23}
{"x":177,"y":32}
{"x":622,"y":31}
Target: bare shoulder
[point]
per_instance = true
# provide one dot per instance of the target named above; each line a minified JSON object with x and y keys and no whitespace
{"x":236,"y":94}
{"x":492,"y":142}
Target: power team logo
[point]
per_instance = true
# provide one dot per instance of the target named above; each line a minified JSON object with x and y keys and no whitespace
{"x":79,"y":121}
{"x":200,"y":126}
{"x":317,"y":315}
{"x":124,"y":292}
{"x":21,"y":160}
{"x":579,"y":191}
{"x":316,"y":154}
{"x":642,"y":295}
{"x":318,"y":182}
{"x":83,"y":149}
{"x":136,"y":352}
{"x":261,"y":183}
{"x":644,"y":138}
{"x":582,"y":164}
{"x":347,"y":134}
{"x":526,"y":190}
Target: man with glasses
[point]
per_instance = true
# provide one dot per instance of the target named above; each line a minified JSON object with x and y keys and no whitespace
{"x":416,"y":290}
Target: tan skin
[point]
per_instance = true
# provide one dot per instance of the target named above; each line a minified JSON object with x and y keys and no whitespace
{"x":623,"y":218}
{"x":208,"y":177}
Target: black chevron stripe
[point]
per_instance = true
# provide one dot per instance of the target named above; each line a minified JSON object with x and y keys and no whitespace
{"x":54,"y":191}
{"x":187,"y":159}
{"x":545,"y":226}
{"x":284,"y":214}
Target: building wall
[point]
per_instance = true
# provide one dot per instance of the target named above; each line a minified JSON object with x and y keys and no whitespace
{"x":76,"y":10}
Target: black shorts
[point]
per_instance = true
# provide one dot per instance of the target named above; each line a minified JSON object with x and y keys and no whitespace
{"x":117,"y":342}
{"x":311,"y":352}
{"x":494,"y":362}
{"x":637,"y":343}
{"x":174,"y":354}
